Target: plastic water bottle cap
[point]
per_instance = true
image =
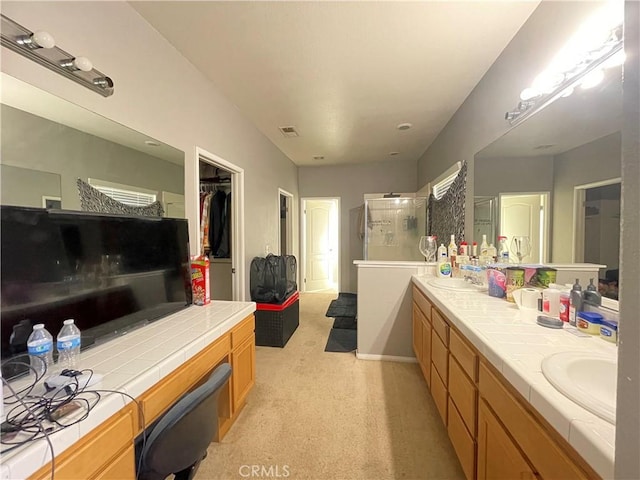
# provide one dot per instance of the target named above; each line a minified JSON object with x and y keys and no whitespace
{"x":38,"y":326}
{"x":68,"y":322}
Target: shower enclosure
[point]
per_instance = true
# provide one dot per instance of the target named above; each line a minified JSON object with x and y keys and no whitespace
{"x":394,"y":227}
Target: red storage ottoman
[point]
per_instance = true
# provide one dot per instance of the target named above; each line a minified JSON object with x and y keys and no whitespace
{"x":276,"y":323}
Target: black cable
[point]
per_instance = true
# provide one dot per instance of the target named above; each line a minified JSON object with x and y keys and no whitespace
{"x":42,"y":429}
{"x":30,"y":411}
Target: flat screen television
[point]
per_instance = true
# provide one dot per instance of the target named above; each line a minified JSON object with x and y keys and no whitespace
{"x":110,"y":273}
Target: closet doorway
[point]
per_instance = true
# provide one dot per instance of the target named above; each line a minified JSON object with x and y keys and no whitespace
{"x":285,"y":232}
{"x":221,"y":220}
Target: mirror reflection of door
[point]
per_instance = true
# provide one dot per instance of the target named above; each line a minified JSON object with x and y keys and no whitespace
{"x":320,"y":244}
{"x":527,"y":214}
{"x":598,"y":231}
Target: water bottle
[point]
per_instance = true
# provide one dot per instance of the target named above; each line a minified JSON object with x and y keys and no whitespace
{"x":68,"y":344}
{"x":40,"y":348}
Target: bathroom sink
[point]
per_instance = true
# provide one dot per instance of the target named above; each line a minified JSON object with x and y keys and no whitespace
{"x":456,"y":284}
{"x":589,"y":379}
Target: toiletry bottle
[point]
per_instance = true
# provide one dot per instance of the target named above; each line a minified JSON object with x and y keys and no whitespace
{"x":464,"y":248}
{"x":492,"y":252}
{"x":591,"y":294}
{"x":443,"y":269}
{"x":575,"y":302}
{"x":453,"y":248}
{"x":484,"y":247}
{"x":503,"y":249}
{"x":442,"y":252}
{"x":474,"y":250}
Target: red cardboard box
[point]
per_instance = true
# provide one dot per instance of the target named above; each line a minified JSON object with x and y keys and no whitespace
{"x":200,"y":280}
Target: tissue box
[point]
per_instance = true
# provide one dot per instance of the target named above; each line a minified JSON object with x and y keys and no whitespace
{"x":200,"y":280}
{"x":539,"y":276}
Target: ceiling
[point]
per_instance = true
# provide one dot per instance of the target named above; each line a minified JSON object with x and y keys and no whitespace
{"x":345,"y":74}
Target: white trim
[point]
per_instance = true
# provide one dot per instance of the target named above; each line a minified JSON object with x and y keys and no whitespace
{"x":49,"y":197}
{"x":385,"y":358}
{"x":238,"y":261}
{"x":444,"y":180}
{"x":302,"y":286}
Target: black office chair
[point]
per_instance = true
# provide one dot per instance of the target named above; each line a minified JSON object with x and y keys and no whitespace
{"x":179,"y":440}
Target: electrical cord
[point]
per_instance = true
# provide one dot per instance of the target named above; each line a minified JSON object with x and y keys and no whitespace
{"x":30,"y":411}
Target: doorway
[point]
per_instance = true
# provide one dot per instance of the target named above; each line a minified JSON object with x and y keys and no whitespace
{"x":223,"y":183}
{"x":320,"y":244}
{"x":527,"y":214}
{"x":285,"y":232}
{"x":597,"y":229}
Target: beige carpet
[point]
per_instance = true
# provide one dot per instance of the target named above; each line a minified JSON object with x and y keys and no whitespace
{"x":318,"y":415}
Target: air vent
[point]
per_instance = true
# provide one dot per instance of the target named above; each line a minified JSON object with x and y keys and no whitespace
{"x":544,"y":146}
{"x":289,"y":131}
{"x":318,"y":157}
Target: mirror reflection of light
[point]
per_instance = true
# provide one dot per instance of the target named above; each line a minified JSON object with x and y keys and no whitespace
{"x":592,"y":79}
{"x":615,"y":61}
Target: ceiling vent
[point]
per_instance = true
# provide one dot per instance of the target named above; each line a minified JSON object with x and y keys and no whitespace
{"x":289,"y":131}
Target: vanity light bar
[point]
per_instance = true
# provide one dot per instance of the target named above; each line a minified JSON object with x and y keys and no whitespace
{"x":40,"y":47}
{"x":591,"y":61}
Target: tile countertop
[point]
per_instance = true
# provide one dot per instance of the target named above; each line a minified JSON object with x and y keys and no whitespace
{"x":512,"y":341}
{"x":131,"y":364}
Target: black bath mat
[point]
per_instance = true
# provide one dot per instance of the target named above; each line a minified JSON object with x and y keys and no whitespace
{"x":346,"y":305}
{"x":345,"y":322}
{"x":342,"y":340}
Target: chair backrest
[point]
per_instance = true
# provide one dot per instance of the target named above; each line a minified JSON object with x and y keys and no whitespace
{"x":181,"y":437}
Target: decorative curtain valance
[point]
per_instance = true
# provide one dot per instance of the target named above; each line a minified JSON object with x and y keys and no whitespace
{"x":446,"y":215}
{"x":93,"y":200}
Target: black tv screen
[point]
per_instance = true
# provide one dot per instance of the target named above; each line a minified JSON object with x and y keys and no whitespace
{"x":110,"y":273}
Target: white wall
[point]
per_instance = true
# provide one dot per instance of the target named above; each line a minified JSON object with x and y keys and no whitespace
{"x":158,"y":92}
{"x":350,"y":183}
{"x":495,"y":175}
{"x":628,"y":408}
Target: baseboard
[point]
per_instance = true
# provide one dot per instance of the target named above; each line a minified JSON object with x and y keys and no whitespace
{"x":385,"y":358}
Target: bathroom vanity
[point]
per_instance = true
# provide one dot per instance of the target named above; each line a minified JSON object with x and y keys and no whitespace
{"x":481,"y":359}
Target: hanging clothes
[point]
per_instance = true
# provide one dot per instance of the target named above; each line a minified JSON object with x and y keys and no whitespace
{"x":224,"y":248}
{"x":217,"y":220}
{"x":205,"y":224}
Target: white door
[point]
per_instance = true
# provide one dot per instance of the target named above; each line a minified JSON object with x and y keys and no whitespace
{"x":526,"y":214}
{"x":321,"y":244}
{"x":173,"y":204}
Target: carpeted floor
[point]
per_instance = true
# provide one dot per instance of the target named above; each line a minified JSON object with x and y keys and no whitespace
{"x":328,"y":416}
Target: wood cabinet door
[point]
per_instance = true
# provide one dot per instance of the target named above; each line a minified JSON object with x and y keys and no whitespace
{"x":243,"y":364}
{"x":498,"y":456}
{"x":426,"y":351}
{"x":417,"y":333}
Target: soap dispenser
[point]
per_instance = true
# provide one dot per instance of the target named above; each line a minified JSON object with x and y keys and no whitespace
{"x":591,"y":294}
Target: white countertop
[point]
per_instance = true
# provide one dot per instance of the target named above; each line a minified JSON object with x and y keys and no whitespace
{"x":512,"y":341}
{"x":132,"y":364}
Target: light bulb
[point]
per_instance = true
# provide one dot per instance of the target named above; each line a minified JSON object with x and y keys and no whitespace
{"x":43,"y":39}
{"x":567,"y":92}
{"x":547,"y":81}
{"x":83,"y":63}
{"x":592,"y":79}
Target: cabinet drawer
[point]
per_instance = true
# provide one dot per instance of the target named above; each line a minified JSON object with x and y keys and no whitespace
{"x":109,"y":439}
{"x":464,"y":354}
{"x":543,"y":452}
{"x":462,"y":442}
{"x":464,"y":394}
{"x":439,"y":393}
{"x":440,"y":357}
{"x":122,"y":467}
{"x":440,"y":326}
{"x":422,"y":302}
{"x":426,"y":352}
{"x":160,"y":397}
{"x":242,"y":331}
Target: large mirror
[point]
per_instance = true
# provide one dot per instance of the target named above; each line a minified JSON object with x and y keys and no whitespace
{"x":563,"y":164}
{"x":49,"y":143}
